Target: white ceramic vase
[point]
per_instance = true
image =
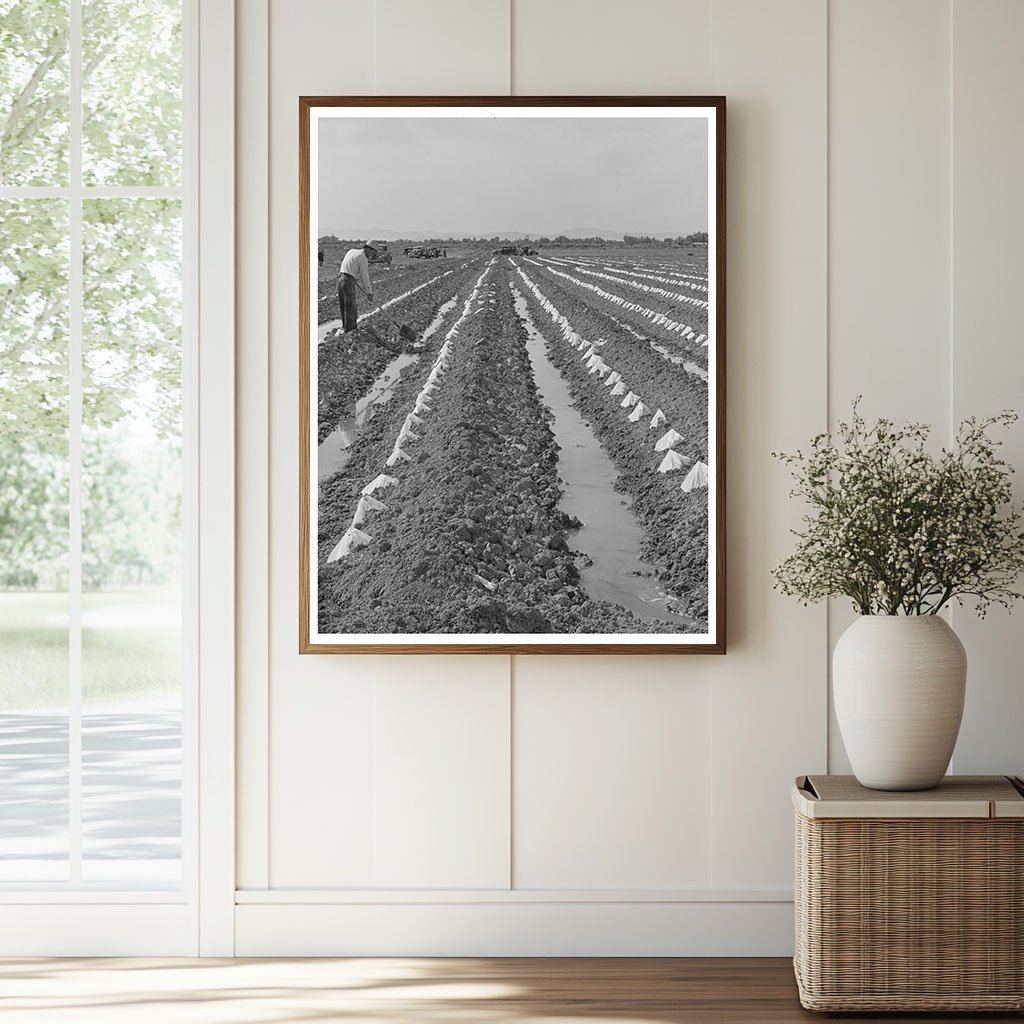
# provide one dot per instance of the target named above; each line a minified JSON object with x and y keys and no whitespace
{"x":898,"y":684}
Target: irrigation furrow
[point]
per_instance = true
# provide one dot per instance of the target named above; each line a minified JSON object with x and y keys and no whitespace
{"x":334,"y":449}
{"x":635,"y":283}
{"x":606,"y":376}
{"x":594,"y":268}
{"x":387,"y":283}
{"x":349,"y":364}
{"x":688,"y":365}
{"x":329,"y":325}
{"x":662,"y":320}
{"x":691,"y":360}
{"x":671,"y":269}
{"x":674,"y":514}
{"x":354,"y":537}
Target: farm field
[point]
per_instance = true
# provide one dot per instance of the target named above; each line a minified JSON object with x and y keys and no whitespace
{"x":537,"y":462}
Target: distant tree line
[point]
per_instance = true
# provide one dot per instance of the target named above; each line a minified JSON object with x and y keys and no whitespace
{"x":331,"y":242}
{"x":696,"y":238}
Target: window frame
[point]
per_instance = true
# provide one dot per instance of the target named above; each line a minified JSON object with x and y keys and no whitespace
{"x":92,"y":918}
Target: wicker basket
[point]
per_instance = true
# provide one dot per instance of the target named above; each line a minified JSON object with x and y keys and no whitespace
{"x":910,"y":901}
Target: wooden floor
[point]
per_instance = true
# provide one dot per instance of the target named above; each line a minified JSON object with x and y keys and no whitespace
{"x":381,"y":991}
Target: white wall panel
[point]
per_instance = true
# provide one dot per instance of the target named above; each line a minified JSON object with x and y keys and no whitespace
{"x":575,"y":47}
{"x":769,"y":692}
{"x":611,"y":785}
{"x":442,"y":48}
{"x":320,"y":813}
{"x":889,"y":245}
{"x":854,"y":266}
{"x":322,"y":776}
{"x":988,"y":365}
{"x":442,"y":773}
{"x":889,"y":208}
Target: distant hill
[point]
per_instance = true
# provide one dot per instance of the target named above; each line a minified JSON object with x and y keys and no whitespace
{"x":612,"y":236}
{"x":380,"y":234}
{"x":419,"y":236}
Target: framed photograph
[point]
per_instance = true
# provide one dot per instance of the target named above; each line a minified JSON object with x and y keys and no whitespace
{"x":512,"y":375}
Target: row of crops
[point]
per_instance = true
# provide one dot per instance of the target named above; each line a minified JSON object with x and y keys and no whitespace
{"x":448,"y":514}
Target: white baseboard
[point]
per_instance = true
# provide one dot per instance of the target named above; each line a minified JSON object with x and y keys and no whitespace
{"x":514,"y":928}
{"x":99,"y":928}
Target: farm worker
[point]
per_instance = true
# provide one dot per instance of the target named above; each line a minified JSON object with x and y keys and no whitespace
{"x":355,"y":268}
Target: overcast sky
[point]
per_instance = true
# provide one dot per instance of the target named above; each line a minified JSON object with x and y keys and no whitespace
{"x":462,"y":175}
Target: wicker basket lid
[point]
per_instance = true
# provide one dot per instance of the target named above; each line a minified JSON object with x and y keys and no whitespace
{"x":957,"y":796}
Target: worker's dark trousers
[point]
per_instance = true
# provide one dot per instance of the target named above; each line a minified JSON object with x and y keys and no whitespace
{"x":347,"y":301}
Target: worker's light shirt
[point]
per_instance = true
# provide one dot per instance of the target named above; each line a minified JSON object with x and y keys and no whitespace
{"x":355,"y":263}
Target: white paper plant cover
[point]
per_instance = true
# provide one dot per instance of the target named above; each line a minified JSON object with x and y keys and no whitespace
{"x":367,"y":503}
{"x":657,"y":419}
{"x":667,"y":440}
{"x":353,"y":538}
{"x":630,"y":400}
{"x":613,"y":378}
{"x":619,"y":389}
{"x":672,"y":461}
{"x":359,"y":516}
{"x":640,"y":410}
{"x":382,"y":480}
{"x":697,"y":477}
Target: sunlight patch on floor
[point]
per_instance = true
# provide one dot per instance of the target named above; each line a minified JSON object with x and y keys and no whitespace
{"x":299,"y":991}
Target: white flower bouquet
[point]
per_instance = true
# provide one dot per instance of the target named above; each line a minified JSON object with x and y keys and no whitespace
{"x":900,"y":530}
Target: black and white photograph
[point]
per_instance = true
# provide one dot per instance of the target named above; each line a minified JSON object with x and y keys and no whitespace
{"x":510,"y":375}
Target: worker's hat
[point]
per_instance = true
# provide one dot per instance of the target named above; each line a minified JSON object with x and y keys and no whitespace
{"x":370,"y":245}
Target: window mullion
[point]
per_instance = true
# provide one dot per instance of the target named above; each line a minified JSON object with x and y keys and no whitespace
{"x":75,"y":304}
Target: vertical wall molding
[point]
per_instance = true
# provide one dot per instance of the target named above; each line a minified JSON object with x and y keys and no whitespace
{"x":889,"y":287}
{"x":252,"y":314}
{"x":216,"y":478}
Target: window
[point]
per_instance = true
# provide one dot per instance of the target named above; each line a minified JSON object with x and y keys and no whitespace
{"x":96,"y":469}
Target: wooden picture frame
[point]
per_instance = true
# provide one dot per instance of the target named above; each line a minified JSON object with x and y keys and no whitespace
{"x":518,"y":281}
